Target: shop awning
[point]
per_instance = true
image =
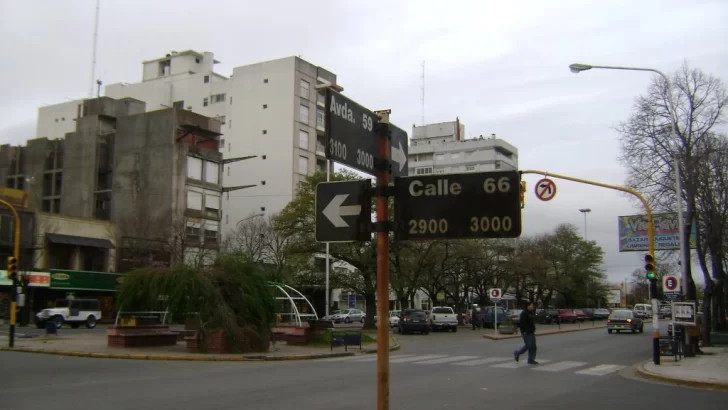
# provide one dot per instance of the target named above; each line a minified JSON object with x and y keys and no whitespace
{"x":79,"y":241}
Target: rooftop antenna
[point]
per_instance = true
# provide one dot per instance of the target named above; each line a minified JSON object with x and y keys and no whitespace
{"x":423,"y":92}
{"x":93,"y":54}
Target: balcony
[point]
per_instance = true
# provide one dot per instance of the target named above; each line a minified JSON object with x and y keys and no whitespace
{"x":320,"y":149}
{"x":320,"y":100}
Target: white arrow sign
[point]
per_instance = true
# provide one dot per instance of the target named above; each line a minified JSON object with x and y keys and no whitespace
{"x":334,"y":211}
{"x":399,"y":156}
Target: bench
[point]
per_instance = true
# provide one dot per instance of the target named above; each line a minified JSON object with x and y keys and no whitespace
{"x":346,"y":338}
{"x":150,"y":339}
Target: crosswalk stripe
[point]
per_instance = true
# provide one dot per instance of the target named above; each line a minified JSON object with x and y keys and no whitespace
{"x":559,"y":366}
{"x":447,"y":359}
{"x":601,"y":370}
{"x":373,"y":358}
{"x":483,"y":361}
{"x":417,"y":358}
{"x":515,"y":365}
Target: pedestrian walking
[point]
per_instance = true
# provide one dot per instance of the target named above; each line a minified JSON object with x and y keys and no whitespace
{"x":527,"y":326}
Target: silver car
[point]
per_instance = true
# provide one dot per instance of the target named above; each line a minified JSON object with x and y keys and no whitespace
{"x":348,"y":316}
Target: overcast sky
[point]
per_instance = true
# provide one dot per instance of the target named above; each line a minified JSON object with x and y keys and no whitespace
{"x":501,"y":68}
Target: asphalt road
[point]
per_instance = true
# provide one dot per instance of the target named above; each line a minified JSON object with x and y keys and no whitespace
{"x":440,"y":371}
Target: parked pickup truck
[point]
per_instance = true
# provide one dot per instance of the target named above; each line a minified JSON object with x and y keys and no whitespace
{"x":443,"y":318}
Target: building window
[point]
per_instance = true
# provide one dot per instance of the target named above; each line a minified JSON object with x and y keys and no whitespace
{"x":231,"y":100}
{"x":423,"y":170}
{"x":212,"y":203}
{"x":303,"y":165}
{"x":440,"y":157}
{"x":207,"y":79}
{"x":320,"y":118}
{"x":440,"y":171}
{"x":498,"y":164}
{"x":212,"y":172}
{"x":180,"y":105}
{"x":303,"y":113}
{"x":217,"y":98}
{"x":194,"y":168}
{"x":265,"y":106}
{"x":193,"y":231}
{"x":194,"y":200}
{"x":222,"y":119}
{"x":228,"y":171}
{"x":227,"y":219}
{"x":303,"y":139}
{"x":265,"y":80}
{"x":455,"y":156}
{"x":204,"y":102}
{"x":305,"y":89}
{"x":265,"y":132}
{"x":211,"y":228}
{"x":230,"y":124}
{"x":470,"y":167}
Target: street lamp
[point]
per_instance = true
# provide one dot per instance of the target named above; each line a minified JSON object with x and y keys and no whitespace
{"x":684,"y":254}
{"x":585,"y":211}
{"x":237,"y":225}
{"x":577,"y":68}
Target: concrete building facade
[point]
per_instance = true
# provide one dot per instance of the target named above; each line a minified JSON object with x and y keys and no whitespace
{"x":270,"y":110}
{"x":443,"y":149}
{"x":156,"y":175}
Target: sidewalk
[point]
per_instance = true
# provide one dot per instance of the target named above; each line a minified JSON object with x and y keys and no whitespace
{"x":702,"y":371}
{"x":545,"y":330}
{"x":95,"y":345}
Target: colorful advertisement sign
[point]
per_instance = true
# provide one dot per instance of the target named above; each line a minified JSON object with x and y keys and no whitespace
{"x":633,"y":233}
{"x":36,"y":279}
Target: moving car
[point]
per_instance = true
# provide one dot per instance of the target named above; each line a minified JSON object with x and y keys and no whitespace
{"x":624,"y":320}
{"x":72,"y":311}
{"x":642,"y":310}
{"x":413,"y":320}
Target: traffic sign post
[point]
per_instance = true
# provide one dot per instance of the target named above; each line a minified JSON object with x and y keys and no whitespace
{"x":458,"y":206}
{"x":671,"y":287}
{"x":495,"y":296}
{"x":545,"y":189}
{"x":352,"y":138}
{"x":343,"y":211}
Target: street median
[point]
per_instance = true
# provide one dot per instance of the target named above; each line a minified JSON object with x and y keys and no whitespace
{"x":541,"y":331}
{"x":194,"y":357}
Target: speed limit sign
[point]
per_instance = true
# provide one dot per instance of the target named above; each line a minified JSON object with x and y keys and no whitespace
{"x":494,"y":293}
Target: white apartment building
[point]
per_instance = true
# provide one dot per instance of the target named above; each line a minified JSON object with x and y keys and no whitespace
{"x":442,"y":149}
{"x":269,"y":109}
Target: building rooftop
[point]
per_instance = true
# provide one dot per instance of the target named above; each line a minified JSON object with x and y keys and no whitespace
{"x":176,"y":54}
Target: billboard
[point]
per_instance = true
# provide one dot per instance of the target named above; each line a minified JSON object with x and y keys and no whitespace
{"x":633,"y":233}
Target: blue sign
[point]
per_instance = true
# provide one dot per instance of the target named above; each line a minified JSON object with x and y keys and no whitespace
{"x":352,"y":301}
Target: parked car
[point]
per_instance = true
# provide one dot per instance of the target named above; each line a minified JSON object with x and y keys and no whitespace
{"x":547,"y":316}
{"x":601,"y":314}
{"x":489,"y":316}
{"x":347,"y":316}
{"x":413,"y":320}
{"x":566,"y":315}
{"x":393,"y":318}
{"x":580,"y":315}
{"x":443,"y":318}
{"x":515,"y":316}
{"x":624,"y":320}
{"x":72,"y":311}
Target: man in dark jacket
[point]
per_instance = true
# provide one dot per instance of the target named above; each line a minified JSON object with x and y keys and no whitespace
{"x":528,"y":332}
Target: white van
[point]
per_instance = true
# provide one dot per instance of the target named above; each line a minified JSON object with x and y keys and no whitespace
{"x":642,"y":310}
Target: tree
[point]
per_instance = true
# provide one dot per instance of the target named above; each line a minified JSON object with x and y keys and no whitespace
{"x":255,"y":240}
{"x":648,"y":146}
{"x":297,"y":222}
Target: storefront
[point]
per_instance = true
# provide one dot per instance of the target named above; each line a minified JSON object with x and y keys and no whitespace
{"x":37,"y":283}
{"x":86,"y":285}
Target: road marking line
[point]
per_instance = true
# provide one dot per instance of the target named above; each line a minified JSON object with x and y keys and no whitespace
{"x":516,"y":365}
{"x":483,"y":361}
{"x":560,"y":366}
{"x":601,"y":370}
{"x":417,"y":358}
{"x":373,"y":358}
{"x":447,"y":359}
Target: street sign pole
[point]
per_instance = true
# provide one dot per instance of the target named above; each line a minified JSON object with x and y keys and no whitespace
{"x":383,"y":263}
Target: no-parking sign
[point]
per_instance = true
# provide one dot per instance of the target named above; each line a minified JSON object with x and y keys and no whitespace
{"x":671,"y":286}
{"x":495,"y":294}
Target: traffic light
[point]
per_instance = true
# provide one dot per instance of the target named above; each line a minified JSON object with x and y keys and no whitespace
{"x":650,"y":267}
{"x":12,"y":267}
{"x":523,"y":194}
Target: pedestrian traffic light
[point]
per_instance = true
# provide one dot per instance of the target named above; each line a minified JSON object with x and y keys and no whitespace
{"x":650,"y":267}
{"x":523,"y":194}
{"x":12,"y":267}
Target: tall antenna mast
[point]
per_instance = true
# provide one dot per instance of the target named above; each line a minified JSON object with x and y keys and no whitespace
{"x":93,"y":55}
{"x":423,"y":92}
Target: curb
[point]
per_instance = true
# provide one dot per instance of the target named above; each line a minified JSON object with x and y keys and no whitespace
{"x":206,"y":358}
{"x":680,"y":382}
{"x":392,"y":348}
{"x":544,"y":334}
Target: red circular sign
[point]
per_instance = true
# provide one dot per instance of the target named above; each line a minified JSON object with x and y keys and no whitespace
{"x":671,"y":283}
{"x":545,"y":189}
{"x":495,"y":293}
